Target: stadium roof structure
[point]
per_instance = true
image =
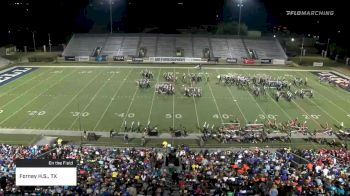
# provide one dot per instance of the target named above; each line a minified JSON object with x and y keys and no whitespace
{"x":165,"y":45}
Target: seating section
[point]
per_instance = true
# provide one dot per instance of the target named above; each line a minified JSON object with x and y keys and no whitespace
{"x":165,"y":45}
{"x":236,"y":48}
{"x":113,"y":46}
{"x":199,"y":43}
{"x":220,"y":48}
{"x":84,"y":44}
{"x":129,"y":46}
{"x":150,"y":44}
{"x":266,"y":48}
{"x":186,"y":44}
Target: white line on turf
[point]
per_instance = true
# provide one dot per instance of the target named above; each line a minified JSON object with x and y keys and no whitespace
{"x":128,"y":110}
{"x":185,"y":67}
{"x":28,"y":80}
{"x":71,"y":100}
{"x":174,"y":101}
{"x":28,"y":90}
{"x":154,"y":94}
{"x":217,"y":107}
{"x":29,"y":102}
{"x":283,"y":110}
{"x":195,"y":104}
{"x":91,"y":100}
{"x":233,"y":97}
{"x":110,"y":102}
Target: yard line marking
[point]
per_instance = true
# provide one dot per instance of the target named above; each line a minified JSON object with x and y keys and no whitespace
{"x":217,"y":107}
{"x":54,"y":84}
{"x":72,"y":99}
{"x":300,"y":108}
{"x":154,"y":94}
{"x":324,"y":111}
{"x":195,"y":104}
{"x":185,"y":67}
{"x":330,"y":101}
{"x":127,"y":112}
{"x":274,"y":101}
{"x":12,"y":89}
{"x":110,"y":102}
{"x":174,"y":101}
{"x":91,"y":100}
{"x":31,"y":117}
{"x":233,"y":97}
{"x":28,"y":90}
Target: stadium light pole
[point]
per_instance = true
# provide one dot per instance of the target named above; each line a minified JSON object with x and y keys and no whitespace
{"x":301,"y":49}
{"x":327,"y":47}
{"x":110,"y":15}
{"x":240,"y":5}
{"x":49,"y":41}
{"x":33,"y":32}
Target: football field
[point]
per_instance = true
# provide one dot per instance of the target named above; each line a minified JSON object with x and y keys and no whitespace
{"x":101,"y":98}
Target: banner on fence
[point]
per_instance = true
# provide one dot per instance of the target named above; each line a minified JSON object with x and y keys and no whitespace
{"x":278,"y":61}
{"x":118,"y":58}
{"x":318,"y":64}
{"x":231,"y":60}
{"x":69,"y":58}
{"x":266,"y":61}
{"x":83,"y":58}
{"x":137,"y":59}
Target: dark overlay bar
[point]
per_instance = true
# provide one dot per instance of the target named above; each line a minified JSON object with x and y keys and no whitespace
{"x":46,"y":163}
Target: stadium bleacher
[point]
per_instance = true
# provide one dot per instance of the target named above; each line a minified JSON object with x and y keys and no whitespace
{"x":269,"y":48}
{"x":165,"y":45}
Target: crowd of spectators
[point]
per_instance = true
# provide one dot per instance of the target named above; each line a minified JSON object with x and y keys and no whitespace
{"x":183,"y":171}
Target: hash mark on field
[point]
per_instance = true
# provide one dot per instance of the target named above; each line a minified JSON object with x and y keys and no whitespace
{"x":72,"y":99}
{"x":110,"y":102}
{"x":35,"y":97}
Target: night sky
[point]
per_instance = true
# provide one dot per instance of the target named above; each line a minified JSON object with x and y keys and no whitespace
{"x":61,"y":18}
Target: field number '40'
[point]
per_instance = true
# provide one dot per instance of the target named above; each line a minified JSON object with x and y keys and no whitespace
{"x":82,"y":114}
{"x":122,"y":115}
{"x":314,"y":116}
{"x":170,"y":116}
{"x":36,"y":113}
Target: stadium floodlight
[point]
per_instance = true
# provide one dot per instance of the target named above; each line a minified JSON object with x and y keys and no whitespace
{"x":274,"y":36}
{"x":292,"y":39}
{"x":240,"y":5}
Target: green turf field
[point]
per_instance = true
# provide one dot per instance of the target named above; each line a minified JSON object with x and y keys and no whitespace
{"x":101,"y":99}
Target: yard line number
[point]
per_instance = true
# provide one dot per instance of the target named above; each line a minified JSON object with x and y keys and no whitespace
{"x":82,"y":114}
{"x":178,"y":116}
{"x":57,"y":72}
{"x":346,"y":115}
{"x":312,"y":116}
{"x":36,"y":113}
{"x":1,"y":111}
{"x":224,"y":116}
{"x":85,"y":72}
{"x":268,"y":116}
{"x":122,"y":115}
